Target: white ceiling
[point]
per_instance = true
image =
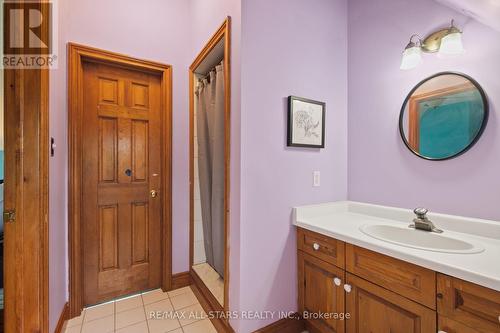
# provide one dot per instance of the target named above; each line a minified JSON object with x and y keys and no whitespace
{"x":485,"y":11}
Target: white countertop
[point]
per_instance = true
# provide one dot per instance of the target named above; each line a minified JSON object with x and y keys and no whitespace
{"x":342,"y":220}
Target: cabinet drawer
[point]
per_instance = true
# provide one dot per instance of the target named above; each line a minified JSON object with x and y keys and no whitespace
{"x":469,"y":304}
{"x":322,"y":247}
{"x":412,"y":281}
{"x":446,"y":325}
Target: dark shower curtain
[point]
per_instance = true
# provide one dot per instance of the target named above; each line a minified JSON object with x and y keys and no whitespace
{"x":211,"y":164}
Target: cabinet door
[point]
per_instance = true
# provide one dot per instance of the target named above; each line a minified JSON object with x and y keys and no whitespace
{"x":475,"y":306}
{"x":373,"y":309}
{"x":320,"y":295}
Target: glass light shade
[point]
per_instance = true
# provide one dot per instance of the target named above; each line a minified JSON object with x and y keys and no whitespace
{"x":451,"y":44}
{"x":412,"y":57}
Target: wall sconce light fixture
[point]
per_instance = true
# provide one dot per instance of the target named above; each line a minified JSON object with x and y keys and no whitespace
{"x":446,"y":42}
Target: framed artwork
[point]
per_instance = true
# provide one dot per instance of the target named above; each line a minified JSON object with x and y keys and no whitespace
{"x":306,"y":123}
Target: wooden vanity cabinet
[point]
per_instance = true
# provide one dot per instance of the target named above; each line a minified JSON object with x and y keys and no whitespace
{"x":382,"y":294}
{"x":375,"y":309}
{"x":321,"y":291}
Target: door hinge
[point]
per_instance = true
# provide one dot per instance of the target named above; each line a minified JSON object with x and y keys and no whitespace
{"x":9,"y":216}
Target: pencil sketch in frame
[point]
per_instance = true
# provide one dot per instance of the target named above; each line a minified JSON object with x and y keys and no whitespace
{"x":306,"y":123}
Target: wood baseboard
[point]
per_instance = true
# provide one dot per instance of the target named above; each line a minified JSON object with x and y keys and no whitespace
{"x":209,"y":304}
{"x":285,"y":325}
{"x":62,"y":318}
{"x":180,"y":280}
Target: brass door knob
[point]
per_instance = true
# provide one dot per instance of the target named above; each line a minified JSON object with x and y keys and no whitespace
{"x":153,"y":193}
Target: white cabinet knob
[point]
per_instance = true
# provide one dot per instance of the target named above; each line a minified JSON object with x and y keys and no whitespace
{"x":347,"y":288}
{"x":337,"y":281}
{"x":316,"y":246}
{"x":442,"y":332}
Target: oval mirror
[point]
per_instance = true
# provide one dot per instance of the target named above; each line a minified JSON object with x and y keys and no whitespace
{"x":443,"y":116}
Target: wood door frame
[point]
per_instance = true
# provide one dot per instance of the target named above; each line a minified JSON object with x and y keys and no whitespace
{"x":26,"y":241}
{"x":224,"y":32}
{"x":77,"y":55}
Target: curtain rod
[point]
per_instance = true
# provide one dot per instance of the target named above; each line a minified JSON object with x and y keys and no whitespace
{"x":204,"y":76}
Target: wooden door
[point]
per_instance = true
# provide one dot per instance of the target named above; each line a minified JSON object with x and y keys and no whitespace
{"x":121,"y":149}
{"x":318,"y":293}
{"x":374,"y":309}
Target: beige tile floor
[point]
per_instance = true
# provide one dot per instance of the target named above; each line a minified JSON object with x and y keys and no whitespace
{"x":177,"y":311}
{"x":212,"y":280}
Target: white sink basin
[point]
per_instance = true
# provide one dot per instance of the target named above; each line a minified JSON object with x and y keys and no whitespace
{"x":418,"y":239}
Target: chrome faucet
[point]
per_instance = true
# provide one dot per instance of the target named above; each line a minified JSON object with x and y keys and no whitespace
{"x":421,"y":222}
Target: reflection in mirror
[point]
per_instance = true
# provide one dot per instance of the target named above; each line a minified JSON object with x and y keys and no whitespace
{"x":443,"y":116}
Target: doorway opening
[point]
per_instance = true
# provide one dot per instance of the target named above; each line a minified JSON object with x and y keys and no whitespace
{"x":209,"y":105}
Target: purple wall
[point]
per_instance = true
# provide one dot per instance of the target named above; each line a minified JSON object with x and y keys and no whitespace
{"x":58,"y":203}
{"x":157,"y":31}
{"x":289,"y":47}
{"x":381,"y":169}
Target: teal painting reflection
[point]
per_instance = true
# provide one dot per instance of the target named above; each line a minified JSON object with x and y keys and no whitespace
{"x":443,"y":117}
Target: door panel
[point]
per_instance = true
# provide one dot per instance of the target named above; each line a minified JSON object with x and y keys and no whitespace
{"x":139,"y":95}
{"x":121,"y":164}
{"x":108,"y":230}
{"x":139,"y":151}
{"x":140,"y":227}
{"x":376,"y":310}
{"x":108,"y":91}
{"x":319,"y":294}
{"x":108,"y":154}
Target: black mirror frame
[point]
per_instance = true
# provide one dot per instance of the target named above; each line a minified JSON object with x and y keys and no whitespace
{"x":478,"y":135}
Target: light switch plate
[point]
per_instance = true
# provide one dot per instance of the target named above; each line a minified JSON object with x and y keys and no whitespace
{"x":316,"y":178}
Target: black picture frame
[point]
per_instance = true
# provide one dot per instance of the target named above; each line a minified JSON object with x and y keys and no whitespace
{"x":291,"y":113}
{"x":478,"y":135}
